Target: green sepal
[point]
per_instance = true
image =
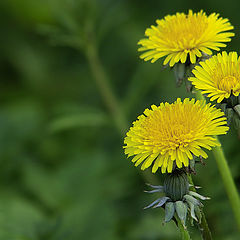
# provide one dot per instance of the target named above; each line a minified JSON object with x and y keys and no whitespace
{"x":223,"y":107}
{"x":236,"y":121}
{"x":198,"y":195}
{"x":179,"y":71}
{"x":237,"y":110}
{"x":192,"y":163}
{"x":191,"y":221}
{"x":192,"y":210}
{"x":181,"y":209}
{"x":192,"y":200}
{"x":234,"y":100}
{"x":229,"y":114}
{"x":198,"y":213}
{"x":169,"y":211}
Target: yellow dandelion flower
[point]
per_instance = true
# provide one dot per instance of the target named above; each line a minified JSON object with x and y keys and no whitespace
{"x":180,"y":35}
{"x":219,"y":76}
{"x":170,"y":134}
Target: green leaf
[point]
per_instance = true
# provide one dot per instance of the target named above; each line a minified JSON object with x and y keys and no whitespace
{"x":78,"y":120}
{"x":20,"y":217}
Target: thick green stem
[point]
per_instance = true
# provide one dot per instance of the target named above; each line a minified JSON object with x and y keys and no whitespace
{"x":203,"y":225}
{"x":183,"y":230}
{"x":226,"y":175}
{"x":228,"y":182}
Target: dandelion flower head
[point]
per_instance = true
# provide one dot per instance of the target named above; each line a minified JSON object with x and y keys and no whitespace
{"x":219,"y":76}
{"x":182,"y":35}
{"x":167,"y":136}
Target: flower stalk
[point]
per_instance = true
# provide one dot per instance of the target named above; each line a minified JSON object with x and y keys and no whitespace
{"x":183,"y":230}
{"x":204,"y":229}
{"x":228,"y":182}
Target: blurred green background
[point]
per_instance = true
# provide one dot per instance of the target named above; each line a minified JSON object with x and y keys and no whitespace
{"x":63,"y":174}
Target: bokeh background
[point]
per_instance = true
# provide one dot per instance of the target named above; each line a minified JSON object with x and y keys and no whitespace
{"x":63,"y":174}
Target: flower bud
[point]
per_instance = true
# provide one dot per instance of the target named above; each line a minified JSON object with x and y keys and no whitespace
{"x":176,"y":185}
{"x":179,"y":71}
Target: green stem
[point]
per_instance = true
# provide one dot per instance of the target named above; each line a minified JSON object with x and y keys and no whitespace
{"x":203,"y":225}
{"x":204,"y":229}
{"x":228,"y":182}
{"x":226,"y":175}
{"x":183,"y":230}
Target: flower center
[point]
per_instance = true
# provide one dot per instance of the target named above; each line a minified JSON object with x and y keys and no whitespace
{"x":227,"y":83}
{"x":185,"y":33}
{"x":172,"y":128}
{"x":226,"y":76}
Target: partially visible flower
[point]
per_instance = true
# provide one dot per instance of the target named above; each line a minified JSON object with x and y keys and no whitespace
{"x":170,"y":134}
{"x":182,"y":35}
{"x":219,"y":76}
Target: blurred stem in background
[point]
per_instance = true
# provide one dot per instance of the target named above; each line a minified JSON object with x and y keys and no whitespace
{"x":105,"y":90}
{"x":226,"y":175}
{"x":109,"y":97}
